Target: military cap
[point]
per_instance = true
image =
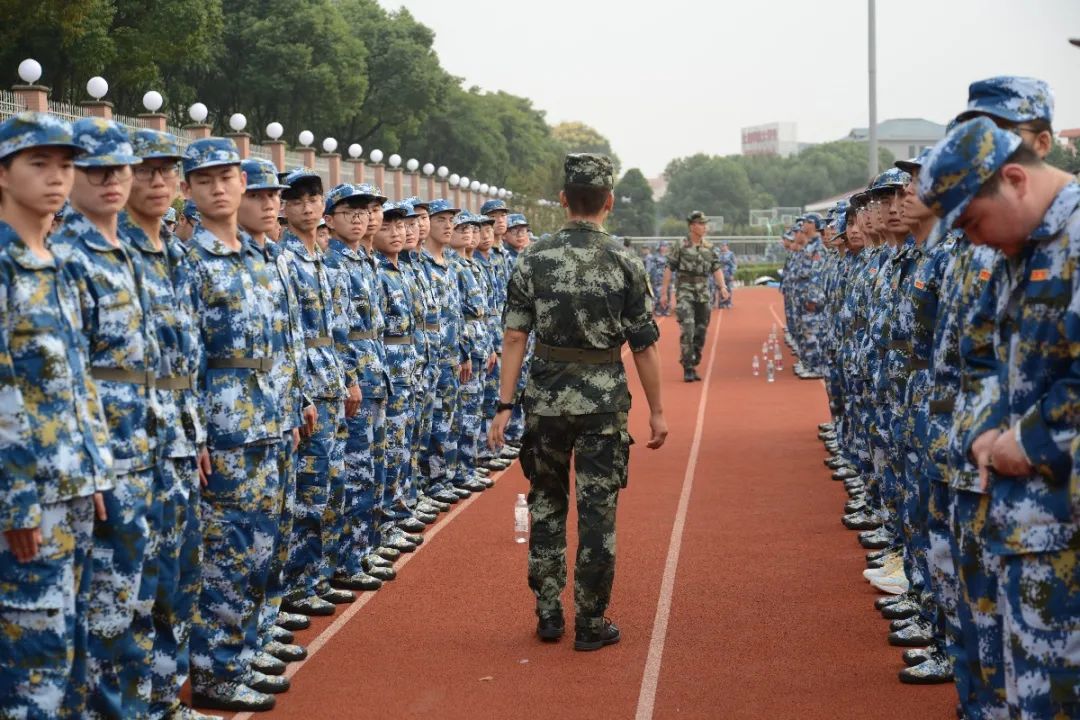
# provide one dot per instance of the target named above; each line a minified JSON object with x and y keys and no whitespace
{"x":106,"y":143}
{"x":170,"y":215}
{"x":302,"y":174}
{"x":261,"y":175}
{"x":322,"y":223}
{"x":339,"y":194}
{"x":410,"y":209}
{"x":33,"y":129}
{"x":858,"y":200}
{"x":912,"y":166}
{"x":961,"y":163}
{"x":210,"y":152}
{"x":1011,"y":98}
{"x":891,"y":179}
{"x":190,"y":211}
{"x":514,"y":220}
{"x":815,"y":218}
{"x":789,"y":235}
{"x":440,"y":205}
{"x":492,"y":205}
{"x":465,"y":218}
{"x":372,"y":191}
{"x":156,"y":145}
{"x":840,"y":225}
{"x":393,"y":210}
{"x":589,"y":170}
{"x":484,"y":219}
{"x":416,"y":202}
{"x":697,"y":216}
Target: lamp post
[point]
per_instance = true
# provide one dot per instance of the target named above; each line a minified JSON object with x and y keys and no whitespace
{"x":397,"y":179}
{"x":274,"y":131}
{"x":307,"y":153}
{"x":97,"y":88}
{"x":198,"y":127}
{"x":356,"y":157}
{"x":429,"y":181}
{"x":444,"y":186}
{"x":153,"y":119}
{"x":333,"y":160}
{"x":411,"y":167}
{"x":32,"y":96}
{"x":379,"y":169}
{"x":243,"y":141}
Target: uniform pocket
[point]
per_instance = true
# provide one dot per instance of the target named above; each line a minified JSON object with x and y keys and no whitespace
{"x":1047,"y":587}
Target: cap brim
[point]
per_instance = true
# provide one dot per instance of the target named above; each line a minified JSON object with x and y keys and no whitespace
{"x":907,"y":166}
{"x":161,"y":156}
{"x":265,"y":186}
{"x":107,"y":161}
{"x":954,"y":215}
{"x":78,"y":149}
{"x":452,"y":211}
{"x":214,"y":164}
{"x":992,"y":112}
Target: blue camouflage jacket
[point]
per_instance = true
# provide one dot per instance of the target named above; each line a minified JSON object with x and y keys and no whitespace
{"x":363,"y":336}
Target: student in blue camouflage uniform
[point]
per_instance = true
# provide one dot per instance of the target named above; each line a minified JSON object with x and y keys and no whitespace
{"x":49,"y":482}
{"x":1024,"y":420}
{"x":516,"y":240}
{"x":493,"y":260}
{"x":810,"y":309}
{"x":258,"y":215}
{"x":655,"y":262}
{"x":243,"y":492}
{"x":115,"y":307}
{"x":728,"y":265}
{"x":348,"y":212}
{"x":477,"y":355}
{"x":179,"y":426}
{"x":188,"y":219}
{"x":320,"y":482}
{"x":439,"y":458}
{"x":399,"y":337}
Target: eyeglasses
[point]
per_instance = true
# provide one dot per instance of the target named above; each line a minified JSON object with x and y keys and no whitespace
{"x":354,"y":215}
{"x":147,"y":172}
{"x":99,"y":176}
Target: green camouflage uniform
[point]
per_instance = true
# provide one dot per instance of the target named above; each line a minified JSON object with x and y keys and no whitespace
{"x":578,"y":291}
{"x":694,"y":264}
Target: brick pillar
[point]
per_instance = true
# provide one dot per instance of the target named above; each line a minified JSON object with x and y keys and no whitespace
{"x":358,"y":170}
{"x":98,"y":108}
{"x":457,"y":197}
{"x":243,"y":143}
{"x":155,"y":121}
{"x":397,"y":179}
{"x":197,"y":131}
{"x":334,"y":160}
{"x":414,"y":184}
{"x":379,"y":177}
{"x":277,"y":153}
{"x":33,"y":97}
{"x":307,"y":157}
{"x":444,"y":189}
{"x":429,"y":188}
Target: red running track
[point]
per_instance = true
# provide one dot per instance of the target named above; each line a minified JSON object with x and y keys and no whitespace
{"x":769,"y":614}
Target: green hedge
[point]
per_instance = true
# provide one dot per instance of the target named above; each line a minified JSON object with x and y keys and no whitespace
{"x":748,"y":273}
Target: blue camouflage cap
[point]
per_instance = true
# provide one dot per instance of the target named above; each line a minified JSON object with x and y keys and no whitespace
{"x":372,"y":191}
{"x":206,"y":153}
{"x":261,"y":175}
{"x":961,"y":163}
{"x":301,"y":174}
{"x":155,"y":144}
{"x":410,"y":209}
{"x":839,"y":224}
{"x":1011,"y":98}
{"x":492,"y":205}
{"x":439,"y":205}
{"x":339,"y":194}
{"x":815,"y":218}
{"x":190,"y":211}
{"x":465,"y":218}
{"x":912,"y":166}
{"x":484,"y":219}
{"x":170,"y":215}
{"x":33,"y":129}
{"x":789,"y":235}
{"x":106,"y":143}
{"x":514,"y":220}
{"x":891,"y":179}
{"x":416,"y":202}
{"x":393,"y":210}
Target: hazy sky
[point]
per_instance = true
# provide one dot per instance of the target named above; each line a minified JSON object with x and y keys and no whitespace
{"x":684,"y":76}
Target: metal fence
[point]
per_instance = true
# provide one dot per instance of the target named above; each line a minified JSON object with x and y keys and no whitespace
{"x":747,"y":248}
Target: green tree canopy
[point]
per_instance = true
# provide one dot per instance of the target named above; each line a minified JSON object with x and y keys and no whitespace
{"x":579,"y":137}
{"x":635,"y":209}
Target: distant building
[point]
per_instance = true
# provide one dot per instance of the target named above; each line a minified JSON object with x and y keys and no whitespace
{"x":776,"y":138}
{"x":903,"y":137}
{"x":658,"y":185}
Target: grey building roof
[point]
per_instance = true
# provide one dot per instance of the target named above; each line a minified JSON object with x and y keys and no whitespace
{"x":902,"y":129}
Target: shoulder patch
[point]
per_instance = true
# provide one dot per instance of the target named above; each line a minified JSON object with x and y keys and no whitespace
{"x":984,"y":274}
{"x":1040,"y":275}
{"x":920,"y":285}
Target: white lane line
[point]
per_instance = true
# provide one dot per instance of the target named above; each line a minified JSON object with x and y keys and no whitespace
{"x":777,"y":317}
{"x":363,"y":599}
{"x":647,"y":697}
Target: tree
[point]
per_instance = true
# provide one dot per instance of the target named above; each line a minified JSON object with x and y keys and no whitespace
{"x":635,"y":209}
{"x":579,"y":137}
{"x":1065,"y":157}
{"x":714,"y":185}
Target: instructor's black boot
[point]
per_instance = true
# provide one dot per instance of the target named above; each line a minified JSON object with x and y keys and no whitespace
{"x":688,"y":375}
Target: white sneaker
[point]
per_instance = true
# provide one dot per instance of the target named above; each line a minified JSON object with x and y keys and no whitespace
{"x":892,"y":584}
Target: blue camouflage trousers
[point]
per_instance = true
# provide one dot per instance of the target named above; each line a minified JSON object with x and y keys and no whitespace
{"x":515,"y":429}
{"x":440,"y":456}
{"x":487,"y":406}
{"x":943,"y":584}
{"x":472,"y":394}
{"x":123,"y":588}
{"x":43,"y":616}
{"x":977,"y":577}
{"x":423,"y":412}
{"x":363,"y":483}
{"x":812,"y":330}
{"x":1039,"y":599}
{"x":394,"y":503}
{"x":241,"y":517}
{"x":319,"y":504}
{"x":179,"y":579}
{"x":279,"y":554}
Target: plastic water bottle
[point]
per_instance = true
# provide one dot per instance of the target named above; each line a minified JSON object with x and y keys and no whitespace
{"x":521,"y":519}
{"x":769,"y":371}
{"x":755,"y":365}
{"x":779,"y":359}
{"x":764,"y":349}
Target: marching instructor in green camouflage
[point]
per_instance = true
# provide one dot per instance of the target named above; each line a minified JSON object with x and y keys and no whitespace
{"x":693,"y":262}
{"x":583,"y":295}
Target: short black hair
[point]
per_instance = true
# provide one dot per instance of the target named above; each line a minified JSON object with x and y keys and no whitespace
{"x":1022,"y":155}
{"x":302,"y":187}
{"x":586,"y":200}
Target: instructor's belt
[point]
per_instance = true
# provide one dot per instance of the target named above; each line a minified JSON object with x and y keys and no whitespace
{"x":256,"y":364}
{"x":577,"y":355}
{"x":115,"y":374}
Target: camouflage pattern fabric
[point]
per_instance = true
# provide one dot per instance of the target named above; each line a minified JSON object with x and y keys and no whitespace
{"x":279,"y":555}
{"x":694,"y":264}
{"x":366,"y":432}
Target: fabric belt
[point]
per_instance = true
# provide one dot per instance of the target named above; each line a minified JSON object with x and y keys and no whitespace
{"x":919,"y":364}
{"x":175,"y":382}
{"x":257,"y":364}
{"x":113,"y":374}
{"x":899,"y":345}
{"x":691,"y":279}
{"x":942,"y":406}
{"x":397,"y":340}
{"x":362,"y":335}
{"x":432,"y":327}
{"x":577,"y":355}
{"x":470,"y":317}
{"x":322,"y":341}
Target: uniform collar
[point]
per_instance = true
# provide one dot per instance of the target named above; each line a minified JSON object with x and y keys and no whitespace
{"x":345,"y":250}
{"x":384,"y":261}
{"x":291,"y":242}
{"x":1059,"y":212}
{"x":211,"y":244}
{"x":81,"y":227}
{"x":20,"y":253}
{"x":584,"y":225}
{"x":130,"y":231}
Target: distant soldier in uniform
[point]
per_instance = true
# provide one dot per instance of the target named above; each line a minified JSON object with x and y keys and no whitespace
{"x":582,"y":305}
{"x":695,"y":262}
